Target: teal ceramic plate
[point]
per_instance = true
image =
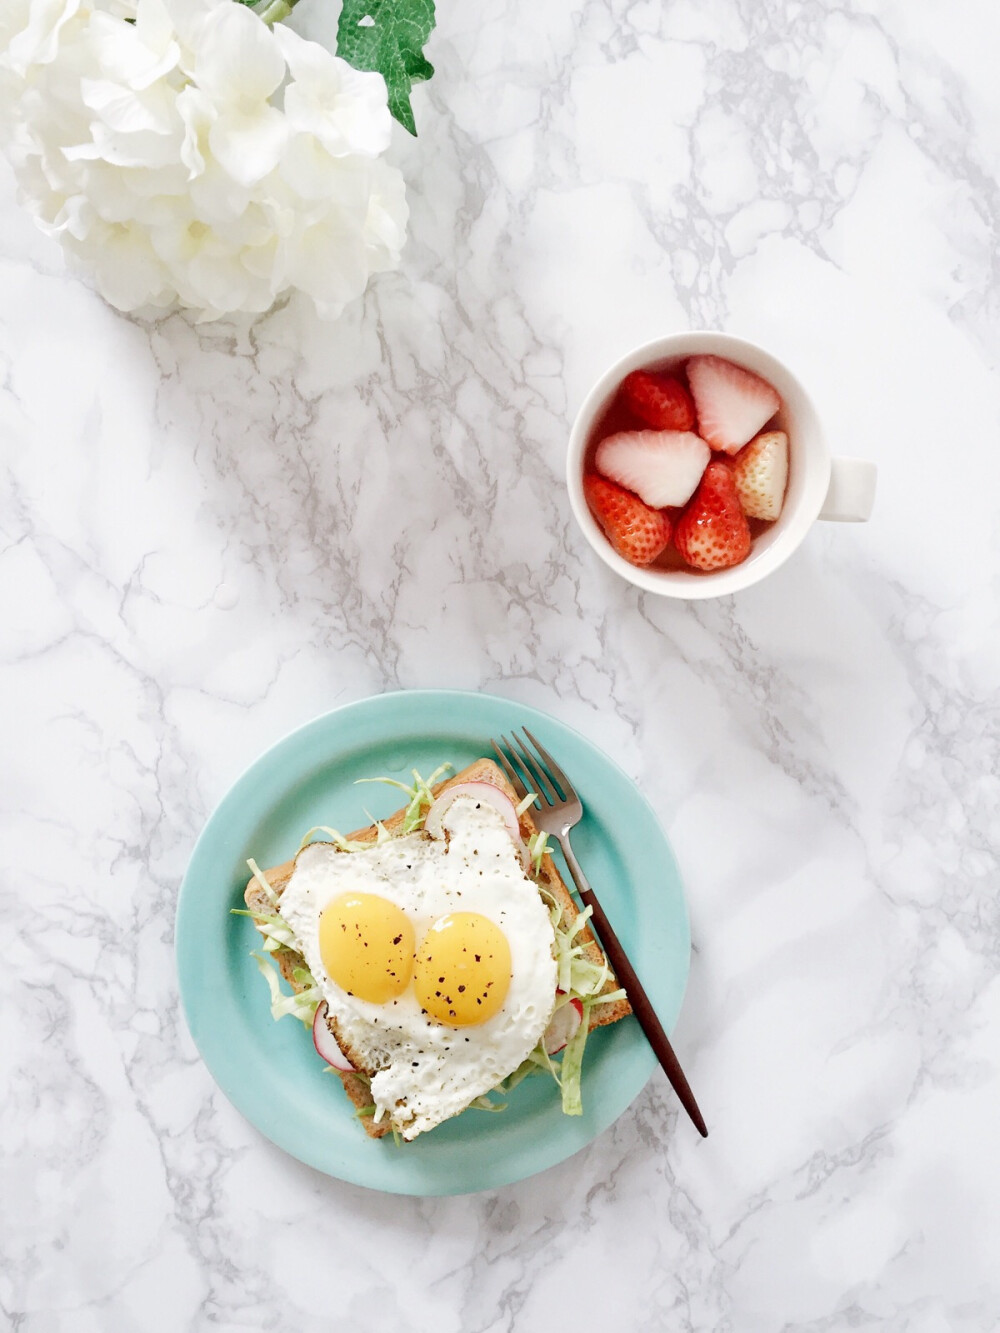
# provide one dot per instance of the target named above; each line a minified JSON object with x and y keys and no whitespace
{"x":269,"y":1070}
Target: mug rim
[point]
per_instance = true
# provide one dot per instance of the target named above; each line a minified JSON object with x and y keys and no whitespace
{"x":681,"y":584}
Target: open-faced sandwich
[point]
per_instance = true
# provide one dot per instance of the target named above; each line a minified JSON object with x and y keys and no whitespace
{"x":437,"y":955}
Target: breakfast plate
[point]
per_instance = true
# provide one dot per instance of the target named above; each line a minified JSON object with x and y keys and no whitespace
{"x":270,"y":1071}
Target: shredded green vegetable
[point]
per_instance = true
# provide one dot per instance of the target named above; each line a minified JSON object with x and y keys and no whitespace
{"x":421,"y":796}
{"x":537,"y":847}
{"x":337,"y":838}
{"x":572,"y":1065}
{"x":301,"y":1005}
{"x":262,"y":881}
{"x":529,"y":1066}
{"x":277,"y":933}
{"x":526,"y":804}
{"x":483,"y":1103}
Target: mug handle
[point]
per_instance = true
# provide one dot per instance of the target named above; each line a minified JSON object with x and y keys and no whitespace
{"x":851,"y":493}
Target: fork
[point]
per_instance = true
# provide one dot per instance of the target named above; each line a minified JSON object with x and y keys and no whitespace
{"x":557,"y":809}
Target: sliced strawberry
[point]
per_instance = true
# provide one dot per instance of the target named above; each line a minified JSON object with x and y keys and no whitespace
{"x":662,"y":466}
{"x":733,"y":404}
{"x":761,"y":473}
{"x":637,"y":532}
{"x":661,"y":401}
{"x":713,"y":533}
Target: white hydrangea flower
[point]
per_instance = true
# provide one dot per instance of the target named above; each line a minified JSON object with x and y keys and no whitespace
{"x":185,"y":153}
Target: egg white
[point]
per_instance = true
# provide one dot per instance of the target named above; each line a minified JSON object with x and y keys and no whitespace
{"x":422,"y":1071}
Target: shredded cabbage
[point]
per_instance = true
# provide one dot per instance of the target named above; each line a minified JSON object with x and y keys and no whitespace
{"x":421,"y":795}
{"x":262,"y":881}
{"x":276,"y":931}
{"x":537,"y":847}
{"x":339,"y":841}
{"x":302,"y":1004}
{"x":483,"y":1103}
{"x":576,"y":974}
{"x":526,"y":804}
{"x":572,"y":1065}
{"x":421,"y":798}
{"x":526,"y":1067}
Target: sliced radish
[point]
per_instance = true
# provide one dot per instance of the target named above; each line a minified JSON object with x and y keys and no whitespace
{"x":485,"y":794}
{"x":326,"y":1043}
{"x":563,"y":1025}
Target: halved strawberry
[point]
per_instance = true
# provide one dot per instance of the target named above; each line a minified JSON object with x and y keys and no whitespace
{"x":637,"y":532}
{"x":661,"y":401}
{"x":661,"y":466}
{"x":713,"y":532}
{"x":733,"y":403}
{"x":761,"y":474}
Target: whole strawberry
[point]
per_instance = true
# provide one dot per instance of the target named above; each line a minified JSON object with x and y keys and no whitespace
{"x":661,"y":401}
{"x":639,"y":534}
{"x":712,"y":532}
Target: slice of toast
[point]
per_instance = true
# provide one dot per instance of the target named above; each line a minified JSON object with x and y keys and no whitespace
{"x":482,"y":770}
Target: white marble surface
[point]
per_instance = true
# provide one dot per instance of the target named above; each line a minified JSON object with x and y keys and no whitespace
{"x":210,"y":535}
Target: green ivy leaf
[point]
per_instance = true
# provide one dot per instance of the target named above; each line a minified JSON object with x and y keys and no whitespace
{"x":388,"y":36}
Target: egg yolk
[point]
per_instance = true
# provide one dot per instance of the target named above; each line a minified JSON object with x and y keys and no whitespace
{"x":366,"y":944}
{"x":462,"y":970}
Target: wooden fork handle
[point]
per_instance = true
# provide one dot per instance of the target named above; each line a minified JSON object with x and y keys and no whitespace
{"x":637,"y":997}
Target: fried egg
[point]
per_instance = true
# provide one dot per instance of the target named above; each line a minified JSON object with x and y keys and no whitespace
{"x":435,"y":958}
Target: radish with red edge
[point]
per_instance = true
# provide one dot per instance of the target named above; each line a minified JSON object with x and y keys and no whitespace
{"x":484,"y":793}
{"x":563,"y":1025}
{"x":326,"y":1043}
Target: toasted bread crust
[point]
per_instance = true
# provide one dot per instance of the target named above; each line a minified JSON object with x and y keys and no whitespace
{"x":482,"y":770}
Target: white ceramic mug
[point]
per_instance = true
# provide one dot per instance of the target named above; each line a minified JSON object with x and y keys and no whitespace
{"x":819,"y":486}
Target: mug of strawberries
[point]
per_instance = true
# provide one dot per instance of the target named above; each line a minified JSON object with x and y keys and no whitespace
{"x":697,"y":465}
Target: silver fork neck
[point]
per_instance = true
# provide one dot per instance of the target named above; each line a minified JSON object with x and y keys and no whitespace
{"x":579,"y":878}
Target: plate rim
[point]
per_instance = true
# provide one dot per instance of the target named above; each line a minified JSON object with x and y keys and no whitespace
{"x":324,"y":720}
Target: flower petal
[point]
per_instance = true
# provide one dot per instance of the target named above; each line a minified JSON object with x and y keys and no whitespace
{"x":328,"y":262}
{"x":38,"y":42}
{"x":248,"y":144}
{"x":238,"y":59}
{"x":388,"y":214}
{"x":197,"y":114}
{"x":346,"y":109}
{"x":124,"y":267}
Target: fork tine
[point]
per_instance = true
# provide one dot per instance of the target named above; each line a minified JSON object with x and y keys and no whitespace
{"x":508,"y":768}
{"x":535,"y":771}
{"x":552,"y":768}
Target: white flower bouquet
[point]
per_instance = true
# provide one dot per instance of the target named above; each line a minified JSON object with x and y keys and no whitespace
{"x":199,"y":153}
